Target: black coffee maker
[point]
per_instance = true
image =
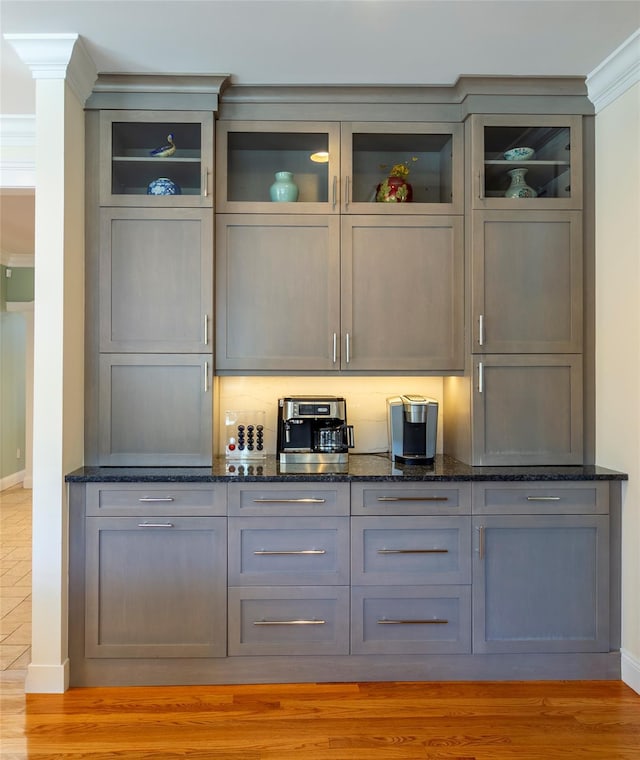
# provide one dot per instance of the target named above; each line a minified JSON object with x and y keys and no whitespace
{"x":412,"y":426}
{"x":313,"y":429}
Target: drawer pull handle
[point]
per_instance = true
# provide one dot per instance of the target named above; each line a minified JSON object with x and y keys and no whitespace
{"x":289,"y":622}
{"x":413,"y":551}
{"x":155,"y":525}
{"x":413,"y":498}
{"x":289,"y":501}
{"x":270,"y":553}
{"x":435,"y":621}
{"x":154,"y":499}
{"x":543,"y":498}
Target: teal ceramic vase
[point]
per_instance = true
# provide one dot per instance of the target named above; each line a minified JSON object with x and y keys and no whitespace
{"x":518,"y":187}
{"x":284,"y":189}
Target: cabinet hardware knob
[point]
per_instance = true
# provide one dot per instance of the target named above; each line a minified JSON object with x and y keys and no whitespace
{"x":289,"y":622}
{"x":273,"y":553}
{"x":413,"y":551}
{"x":435,"y":621}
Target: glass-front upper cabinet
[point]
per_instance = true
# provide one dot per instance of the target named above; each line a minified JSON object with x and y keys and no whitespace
{"x":156,"y":158}
{"x":277,"y":166}
{"x":402,"y":168}
{"x":333,"y":167}
{"x":527,"y":162}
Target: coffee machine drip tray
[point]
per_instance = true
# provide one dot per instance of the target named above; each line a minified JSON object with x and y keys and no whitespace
{"x":313,"y":457}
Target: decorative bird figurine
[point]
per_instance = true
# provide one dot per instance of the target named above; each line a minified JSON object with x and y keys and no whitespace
{"x":165,"y":150}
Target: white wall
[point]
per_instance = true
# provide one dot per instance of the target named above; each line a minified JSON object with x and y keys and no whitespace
{"x":618,"y":338}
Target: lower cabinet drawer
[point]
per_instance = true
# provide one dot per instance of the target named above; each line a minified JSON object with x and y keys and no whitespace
{"x":411,"y":620}
{"x":288,"y":621}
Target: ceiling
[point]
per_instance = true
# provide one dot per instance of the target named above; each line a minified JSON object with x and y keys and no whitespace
{"x":324,"y":41}
{"x":263,"y":42}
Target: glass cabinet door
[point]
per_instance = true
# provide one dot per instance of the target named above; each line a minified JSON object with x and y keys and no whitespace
{"x":251,"y":153}
{"x":527,"y":162}
{"x":427,"y":156}
{"x":153,"y":158}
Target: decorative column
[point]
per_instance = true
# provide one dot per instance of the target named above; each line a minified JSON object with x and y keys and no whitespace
{"x":64,"y":75}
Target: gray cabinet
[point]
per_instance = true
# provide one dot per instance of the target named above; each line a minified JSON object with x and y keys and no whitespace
{"x":291,"y":297}
{"x":541,"y":568}
{"x":155,"y":574}
{"x":156,"y":280}
{"x":155,"y":409}
{"x":526,"y":294}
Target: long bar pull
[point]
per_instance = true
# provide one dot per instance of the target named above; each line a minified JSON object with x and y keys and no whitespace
{"x":206,"y":329}
{"x":334,"y":199}
{"x":155,"y":525}
{"x":481,"y":541}
{"x":481,"y":184}
{"x":348,"y":346}
{"x":273,"y":553}
{"x":346,"y":192}
{"x":481,"y":330}
{"x":205,"y":182}
{"x":480,"y":377}
{"x":289,"y":622}
{"x":413,"y":551}
{"x":154,"y":499}
{"x":543,"y":498}
{"x":413,"y":498}
{"x":308,"y":500}
{"x":206,"y":377}
{"x":335,"y":347}
{"x":435,"y":621}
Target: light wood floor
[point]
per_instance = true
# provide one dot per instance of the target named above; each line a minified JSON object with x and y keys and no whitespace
{"x":556,"y":720}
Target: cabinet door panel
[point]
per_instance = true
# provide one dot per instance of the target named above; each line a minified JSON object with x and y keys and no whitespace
{"x":527,"y":410}
{"x":527,"y":282}
{"x":541,"y":584}
{"x":277,"y":290}
{"x":155,"y":410}
{"x":156,"y":280}
{"x":155,"y":587}
{"x":402,"y":293}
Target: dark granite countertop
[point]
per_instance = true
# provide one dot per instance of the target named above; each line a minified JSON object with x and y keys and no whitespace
{"x":360,"y":467}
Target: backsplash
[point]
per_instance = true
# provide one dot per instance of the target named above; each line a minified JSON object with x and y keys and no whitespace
{"x":366,"y":403}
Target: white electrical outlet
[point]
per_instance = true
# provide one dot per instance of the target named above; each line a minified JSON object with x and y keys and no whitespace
{"x":8,"y":273}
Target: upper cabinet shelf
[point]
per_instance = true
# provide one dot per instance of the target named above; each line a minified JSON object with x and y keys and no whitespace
{"x":131,"y":168}
{"x":553,"y":171}
{"x":338,"y":167}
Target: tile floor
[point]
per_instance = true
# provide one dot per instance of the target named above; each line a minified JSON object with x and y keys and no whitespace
{"x":15,"y":579}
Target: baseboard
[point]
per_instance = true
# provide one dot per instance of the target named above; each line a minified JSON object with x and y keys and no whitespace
{"x":630,"y":670}
{"x":11,"y":480}
{"x":47,"y":679}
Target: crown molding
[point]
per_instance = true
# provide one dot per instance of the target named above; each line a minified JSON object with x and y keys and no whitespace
{"x":17,"y":157}
{"x":57,"y":56}
{"x":616,"y":74}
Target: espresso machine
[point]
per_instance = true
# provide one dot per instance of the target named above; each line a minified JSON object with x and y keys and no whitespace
{"x":413,"y":425}
{"x":313,"y":429}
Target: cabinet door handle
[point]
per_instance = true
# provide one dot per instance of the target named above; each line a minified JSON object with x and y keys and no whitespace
{"x":289,"y":622}
{"x":335,"y":347}
{"x":206,"y":329}
{"x":205,"y":182}
{"x":481,"y":541}
{"x":154,"y":499}
{"x":274,"y":552}
{"x":434,"y":621}
{"x":481,"y":184}
{"x":347,"y":341}
{"x":309,"y":500}
{"x":413,"y":551}
{"x":481,"y":330}
{"x":334,"y":192}
{"x":413,"y":498}
{"x":155,"y":525}
{"x":206,"y":377}
{"x":543,"y":498}
{"x":480,"y":377}
{"x":346,"y":192}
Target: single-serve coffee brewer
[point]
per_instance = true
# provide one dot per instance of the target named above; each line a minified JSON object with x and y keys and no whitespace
{"x":413,"y":425}
{"x":313,"y":429}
